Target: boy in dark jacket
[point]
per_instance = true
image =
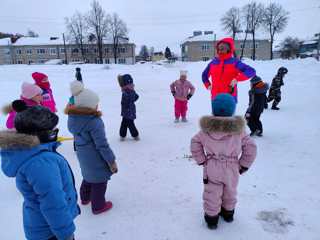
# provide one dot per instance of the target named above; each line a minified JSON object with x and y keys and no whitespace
{"x":128,"y":107}
{"x":257,"y":99}
{"x":42,"y":175}
{"x":275,"y":92}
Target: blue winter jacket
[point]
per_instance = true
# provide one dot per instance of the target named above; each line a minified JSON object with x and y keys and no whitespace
{"x":128,"y":107}
{"x":93,"y":151}
{"x":46,"y":182}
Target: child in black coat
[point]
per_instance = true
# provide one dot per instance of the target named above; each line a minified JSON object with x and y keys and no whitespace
{"x":128,"y":107}
{"x":257,"y":99}
{"x":275,"y":92}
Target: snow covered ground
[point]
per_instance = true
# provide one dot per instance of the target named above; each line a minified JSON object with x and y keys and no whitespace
{"x":157,"y":193}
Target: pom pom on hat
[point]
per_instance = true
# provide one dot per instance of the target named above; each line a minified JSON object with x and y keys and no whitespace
{"x":76,"y":87}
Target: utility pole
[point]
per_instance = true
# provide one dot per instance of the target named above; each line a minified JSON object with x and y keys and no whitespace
{"x":65,"y":49}
{"x":214,"y":45}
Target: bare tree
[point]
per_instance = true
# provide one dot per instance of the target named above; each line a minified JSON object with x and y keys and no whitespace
{"x":98,"y":24}
{"x":255,"y":13}
{"x":118,"y":31}
{"x":275,"y":19}
{"x":77,"y":32}
{"x":231,"y":21}
{"x":32,"y":33}
{"x":246,"y":23}
{"x":144,"y":53}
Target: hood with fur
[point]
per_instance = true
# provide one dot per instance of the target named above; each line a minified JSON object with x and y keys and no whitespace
{"x":17,"y":149}
{"x":223,"y":125}
{"x":72,"y":110}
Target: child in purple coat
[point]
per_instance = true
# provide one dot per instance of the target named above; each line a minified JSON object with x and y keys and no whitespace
{"x":217,"y":148}
{"x":128,"y":107}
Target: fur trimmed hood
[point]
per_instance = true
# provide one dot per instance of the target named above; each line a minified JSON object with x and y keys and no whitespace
{"x":229,"y":125}
{"x":14,"y":140}
{"x":72,"y":110}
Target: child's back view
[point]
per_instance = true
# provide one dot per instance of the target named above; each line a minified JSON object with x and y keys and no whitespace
{"x":217,"y":147}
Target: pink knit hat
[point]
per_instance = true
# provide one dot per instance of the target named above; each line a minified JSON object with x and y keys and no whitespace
{"x":29,"y":90}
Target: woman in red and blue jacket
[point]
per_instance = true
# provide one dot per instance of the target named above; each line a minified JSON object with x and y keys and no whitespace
{"x":226,"y":70}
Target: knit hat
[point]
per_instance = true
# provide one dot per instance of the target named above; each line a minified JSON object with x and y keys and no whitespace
{"x":41,"y":80}
{"x":127,"y":79}
{"x":29,"y":90}
{"x":76,"y":87}
{"x":224,"y":105}
{"x":255,"y":79}
{"x":282,"y":71}
{"x":183,"y":73}
{"x":34,"y":120}
{"x":86,"y":99}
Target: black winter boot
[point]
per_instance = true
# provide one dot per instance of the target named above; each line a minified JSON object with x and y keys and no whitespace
{"x":274,"y":106}
{"x":227,"y":215}
{"x":212,"y":222}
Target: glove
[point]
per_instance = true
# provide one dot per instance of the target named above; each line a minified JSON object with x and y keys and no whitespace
{"x":114,"y":167}
{"x":233,"y":83}
{"x":243,"y":170}
{"x":189,"y":96}
{"x":247,"y":115}
{"x":173,"y":93}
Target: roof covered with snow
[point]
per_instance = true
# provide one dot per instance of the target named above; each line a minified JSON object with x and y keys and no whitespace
{"x":211,"y":37}
{"x":5,"y":41}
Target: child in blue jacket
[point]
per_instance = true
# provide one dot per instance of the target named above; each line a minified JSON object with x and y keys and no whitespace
{"x":43,"y":176}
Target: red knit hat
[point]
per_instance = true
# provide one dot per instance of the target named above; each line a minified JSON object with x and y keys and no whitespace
{"x":39,"y":79}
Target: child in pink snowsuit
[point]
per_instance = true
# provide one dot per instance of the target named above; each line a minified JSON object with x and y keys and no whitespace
{"x":31,"y":94}
{"x":47,"y":97}
{"x":182,"y":90}
{"x":217,"y":147}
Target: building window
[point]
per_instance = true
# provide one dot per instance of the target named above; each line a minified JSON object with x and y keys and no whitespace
{"x":53,"y":51}
{"x":205,"y":48}
{"x":19,"y":51}
{"x":20,"y":62}
{"x":95,"y":50}
{"x":29,"y":51}
{"x":41,"y":51}
{"x":107,"y":61}
{"x":122,"y":50}
{"x":75,"y":50}
{"x":62,"y":50}
{"x":30,"y":62}
{"x":121,"y":60}
{"x":205,"y":59}
{"x":42,"y":61}
{"x":106,"y":50}
{"x":241,"y":45}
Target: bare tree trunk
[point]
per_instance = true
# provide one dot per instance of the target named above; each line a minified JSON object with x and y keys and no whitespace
{"x":254,"y":46}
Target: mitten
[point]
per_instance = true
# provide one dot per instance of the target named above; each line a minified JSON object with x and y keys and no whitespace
{"x":243,"y":169}
{"x":189,"y":96}
{"x":173,"y":93}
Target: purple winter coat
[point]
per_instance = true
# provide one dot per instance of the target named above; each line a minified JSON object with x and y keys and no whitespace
{"x":222,"y":147}
{"x":128,"y":107}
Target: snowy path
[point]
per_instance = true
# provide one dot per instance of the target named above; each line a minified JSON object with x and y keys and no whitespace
{"x":157,"y":193}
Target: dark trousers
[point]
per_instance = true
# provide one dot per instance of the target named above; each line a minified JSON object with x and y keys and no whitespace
{"x":93,"y":192}
{"x":275,"y":97}
{"x":254,"y":122}
{"x":128,"y":123}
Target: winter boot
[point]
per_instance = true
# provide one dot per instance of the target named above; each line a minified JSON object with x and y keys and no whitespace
{"x":137,"y":138}
{"x":106,"y":207}
{"x":227,"y":215}
{"x":275,"y":108}
{"x":122,"y":139}
{"x":212,"y":222}
{"x":253,"y":133}
{"x":184,"y":120}
{"x":176,"y":120}
{"x":259,"y":133}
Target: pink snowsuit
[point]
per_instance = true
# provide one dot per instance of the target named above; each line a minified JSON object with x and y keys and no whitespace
{"x":222,"y":147}
{"x":181,"y":88}
{"x":48,"y":100}
{"x":12,"y":113}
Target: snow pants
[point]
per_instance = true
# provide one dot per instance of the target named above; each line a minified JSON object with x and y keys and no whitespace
{"x":220,"y":186}
{"x":180,"y":108}
{"x":93,"y":192}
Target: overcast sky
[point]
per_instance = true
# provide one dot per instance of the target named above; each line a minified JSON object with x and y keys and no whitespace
{"x":150,"y":22}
